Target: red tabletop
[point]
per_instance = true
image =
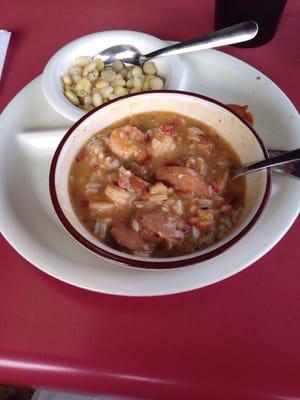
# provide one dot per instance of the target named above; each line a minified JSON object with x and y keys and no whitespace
{"x":238,"y":339}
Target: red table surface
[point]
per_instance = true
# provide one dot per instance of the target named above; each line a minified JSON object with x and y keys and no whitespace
{"x":238,"y":339}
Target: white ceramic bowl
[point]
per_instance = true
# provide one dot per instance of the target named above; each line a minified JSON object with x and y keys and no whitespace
{"x":170,"y":67}
{"x":229,"y":126}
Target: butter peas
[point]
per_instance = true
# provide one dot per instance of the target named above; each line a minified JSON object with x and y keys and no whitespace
{"x":89,"y":83}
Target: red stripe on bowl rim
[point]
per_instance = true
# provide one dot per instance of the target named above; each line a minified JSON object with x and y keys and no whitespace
{"x":145,"y":264}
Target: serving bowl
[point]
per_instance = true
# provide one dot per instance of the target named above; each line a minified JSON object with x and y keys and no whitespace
{"x":171,"y":68}
{"x":229,"y":126}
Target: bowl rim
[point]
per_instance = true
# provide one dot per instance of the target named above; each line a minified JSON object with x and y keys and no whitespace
{"x":151,"y":263}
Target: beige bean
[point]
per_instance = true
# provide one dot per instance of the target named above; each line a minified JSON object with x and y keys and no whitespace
{"x":136,"y":71}
{"x":120,"y":91}
{"x":67,"y":80}
{"x":75,"y":70}
{"x":72,"y":97}
{"x":97,"y":99}
{"x":142,"y":77}
{"x":146,"y":85}
{"x":83,"y":87}
{"x":106,"y":91}
{"x":118,"y":82}
{"x":83,"y":61}
{"x":89,"y":68}
{"x":149,"y":68}
{"x":112,"y":96}
{"x":87,"y":100}
{"x":108,"y":75}
{"x":134,"y":90}
{"x":101,"y":83}
{"x":99,"y":64}
{"x":95,"y":90}
{"x":87,"y":107}
{"x":129,"y":83}
{"x":129,"y":74}
{"x":123,"y":72}
{"x":138,"y":81}
{"x":117,"y":65}
{"x":93,"y":75}
{"x":149,"y":77}
{"x":76,"y":78}
{"x":156,"y":83}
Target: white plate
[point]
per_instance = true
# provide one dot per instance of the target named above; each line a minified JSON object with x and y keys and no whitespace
{"x":30,"y":131}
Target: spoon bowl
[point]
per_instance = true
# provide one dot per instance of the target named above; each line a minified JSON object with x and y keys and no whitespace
{"x":128,"y":54}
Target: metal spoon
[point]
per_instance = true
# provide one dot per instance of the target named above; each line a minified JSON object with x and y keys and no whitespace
{"x":292,"y":168}
{"x":283,"y":158}
{"x":131,"y":56}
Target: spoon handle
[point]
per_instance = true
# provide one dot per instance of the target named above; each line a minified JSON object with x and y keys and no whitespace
{"x":292,"y":168}
{"x":283,"y":158}
{"x":233,"y":34}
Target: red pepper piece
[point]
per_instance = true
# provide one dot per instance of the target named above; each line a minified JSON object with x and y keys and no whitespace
{"x":147,"y":159}
{"x":168,"y":130}
{"x":215,"y":187}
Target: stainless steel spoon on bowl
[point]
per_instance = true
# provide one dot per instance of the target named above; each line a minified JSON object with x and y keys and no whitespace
{"x":283,"y":158}
{"x":131,"y":56}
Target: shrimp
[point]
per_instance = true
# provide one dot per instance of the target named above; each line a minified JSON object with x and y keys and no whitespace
{"x":128,"y":142}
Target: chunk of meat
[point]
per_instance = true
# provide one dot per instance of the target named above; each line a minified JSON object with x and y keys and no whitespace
{"x":128,"y":142}
{"x":130,"y":239}
{"x":184,"y":179}
{"x":158,"y":226}
{"x":127,"y":180}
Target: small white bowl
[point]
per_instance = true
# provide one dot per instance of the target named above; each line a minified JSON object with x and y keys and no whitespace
{"x":169,"y":67}
{"x":229,"y":126}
